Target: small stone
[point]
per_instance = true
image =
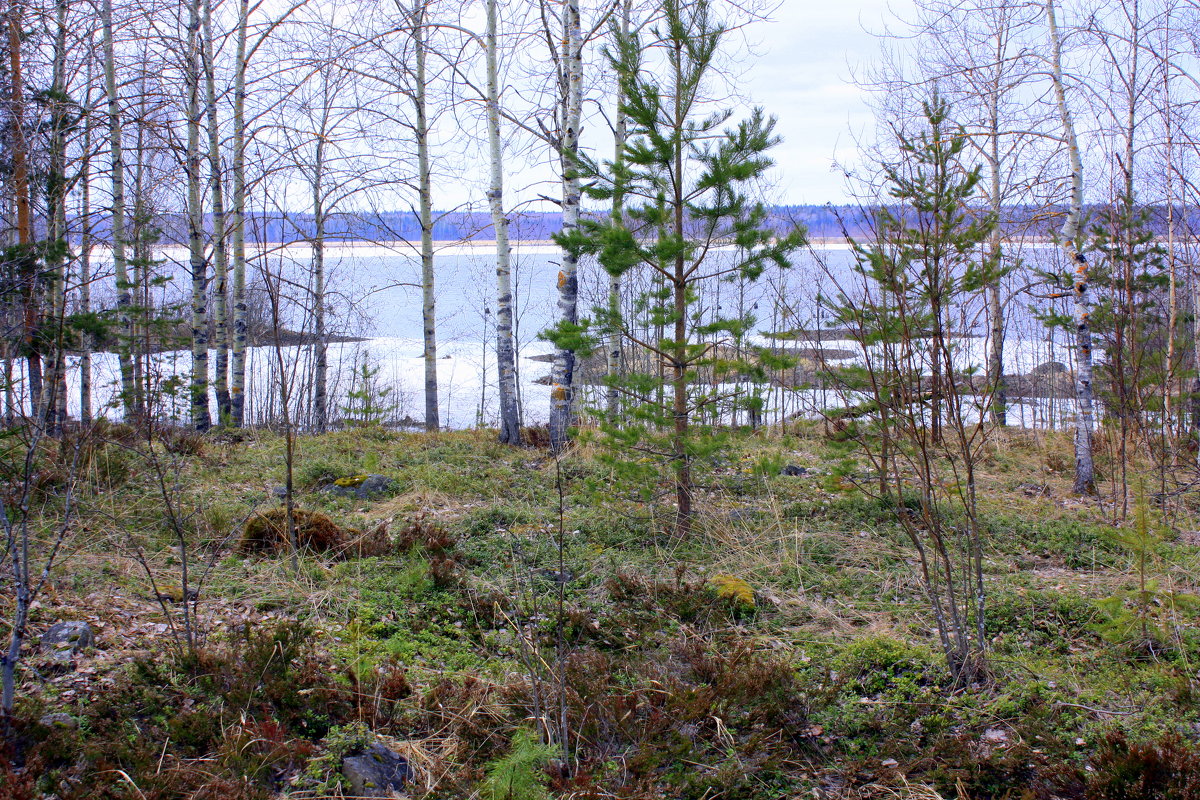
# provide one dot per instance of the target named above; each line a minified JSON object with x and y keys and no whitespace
{"x":793,"y":471}
{"x":376,"y":773}
{"x":362,"y":487}
{"x":65,"y":639}
{"x":59,"y":720}
{"x":995,"y":736}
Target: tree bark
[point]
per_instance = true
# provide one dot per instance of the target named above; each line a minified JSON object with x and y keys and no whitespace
{"x":1085,"y":473}
{"x":85,"y":271}
{"x":219,"y":245}
{"x":570,"y":72}
{"x":119,"y":234}
{"x":20,"y":189}
{"x":320,"y":348}
{"x":506,"y":362}
{"x":995,"y":306}
{"x":425,"y":210}
{"x":201,"y":419}
{"x":237,"y":383}
{"x":620,"y":137}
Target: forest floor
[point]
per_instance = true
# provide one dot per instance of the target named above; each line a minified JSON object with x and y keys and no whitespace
{"x":785,"y":649}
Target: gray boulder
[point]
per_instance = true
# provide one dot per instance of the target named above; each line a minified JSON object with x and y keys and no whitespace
{"x":66,"y":639}
{"x":362,"y":487}
{"x":376,"y":773}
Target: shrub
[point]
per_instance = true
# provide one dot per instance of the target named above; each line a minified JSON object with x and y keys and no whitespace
{"x":267,"y":531}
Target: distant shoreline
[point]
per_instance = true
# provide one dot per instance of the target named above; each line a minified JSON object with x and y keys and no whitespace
{"x":441,"y":248}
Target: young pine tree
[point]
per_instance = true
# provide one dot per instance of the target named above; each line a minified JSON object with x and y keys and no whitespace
{"x":911,"y":408}
{"x":685,"y":179}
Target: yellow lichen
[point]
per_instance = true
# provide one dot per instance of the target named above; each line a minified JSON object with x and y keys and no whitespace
{"x":353,"y":480}
{"x":730,"y":588}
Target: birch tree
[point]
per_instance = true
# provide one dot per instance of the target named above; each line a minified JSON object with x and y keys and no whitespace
{"x":193,"y":71}
{"x":1085,"y":473}
{"x":570,"y":117}
{"x":216,"y":184}
{"x":510,"y":416}
{"x":118,"y":226}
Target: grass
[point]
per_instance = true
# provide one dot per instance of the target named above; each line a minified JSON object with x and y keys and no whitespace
{"x":786,"y":647}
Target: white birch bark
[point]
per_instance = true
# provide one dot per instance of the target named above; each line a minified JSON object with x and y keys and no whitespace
{"x":620,"y":137}
{"x":425,"y":203}
{"x":201,"y":419}
{"x":320,"y":348}
{"x":119,"y":232}
{"x":1085,"y":474}
{"x":219,"y":245}
{"x":237,"y":382}
{"x":570,"y":116}
{"x":510,"y":418}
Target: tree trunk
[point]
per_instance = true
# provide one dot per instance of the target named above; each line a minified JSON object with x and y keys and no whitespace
{"x":219,"y":249}
{"x":237,"y":383}
{"x":683,"y":460}
{"x":506,"y":362}
{"x":201,"y":420}
{"x":425,"y":210}
{"x":1085,"y":473}
{"x":117,"y":176}
{"x":54,"y":390}
{"x":85,"y":272}
{"x":995,"y":306}
{"x":570,"y":72}
{"x":620,"y":136}
{"x":29,"y":280}
{"x":320,"y":349}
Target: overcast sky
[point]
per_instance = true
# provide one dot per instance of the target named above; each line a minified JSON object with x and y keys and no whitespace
{"x":802,"y":74}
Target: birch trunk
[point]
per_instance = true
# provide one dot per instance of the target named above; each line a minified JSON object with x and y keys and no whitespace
{"x":425,"y":202}
{"x":620,"y":136}
{"x":219,"y":245}
{"x":117,"y":174}
{"x":1085,"y":473}
{"x":237,"y":383}
{"x":199,"y":391}
{"x":320,"y":350}
{"x":570,"y":116}
{"x":506,"y":362}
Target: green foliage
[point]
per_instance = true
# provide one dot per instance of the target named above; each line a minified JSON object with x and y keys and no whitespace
{"x":1147,"y":617}
{"x":519,"y":774}
{"x":904,"y":410}
{"x":686,"y":179}
{"x":367,"y":401}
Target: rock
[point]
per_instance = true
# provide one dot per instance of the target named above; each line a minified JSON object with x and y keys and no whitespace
{"x":66,"y":639}
{"x":280,"y":492}
{"x":59,"y":720}
{"x":554,"y":576}
{"x":361,"y":487}
{"x":1049,"y":368}
{"x":793,"y":471}
{"x":995,"y":736}
{"x":376,"y":773}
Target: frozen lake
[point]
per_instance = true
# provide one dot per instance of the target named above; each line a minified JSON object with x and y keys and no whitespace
{"x":373,"y":294}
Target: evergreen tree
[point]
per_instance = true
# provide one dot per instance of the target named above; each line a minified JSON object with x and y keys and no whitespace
{"x":685,"y":180}
{"x":910,"y":407}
